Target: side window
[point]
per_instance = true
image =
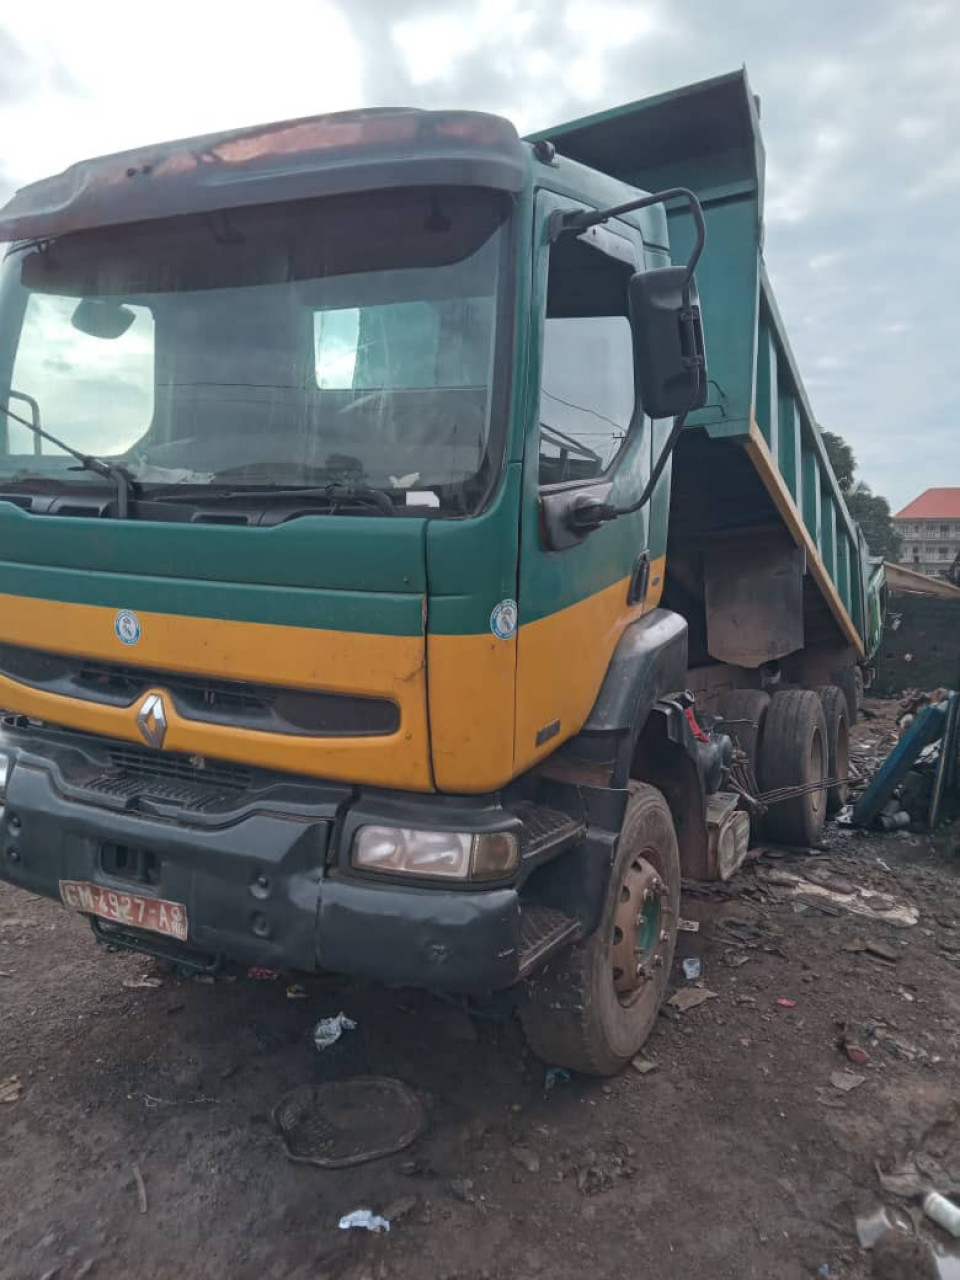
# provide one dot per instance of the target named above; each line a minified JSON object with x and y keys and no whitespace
{"x":587,"y":388}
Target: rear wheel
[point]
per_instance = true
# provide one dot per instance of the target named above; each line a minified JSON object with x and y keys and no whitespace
{"x":836,"y":713}
{"x":794,"y":753}
{"x":592,"y":1008}
{"x":744,"y":712}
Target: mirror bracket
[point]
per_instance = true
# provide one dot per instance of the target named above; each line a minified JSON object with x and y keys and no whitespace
{"x":568,"y":516}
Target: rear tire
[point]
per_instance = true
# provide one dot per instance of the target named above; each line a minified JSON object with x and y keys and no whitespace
{"x":794,"y":752}
{"x":746,"y":710}
{"x":850,"y":681}
{"x":836,"y":713}
{"x":589,"y":1009}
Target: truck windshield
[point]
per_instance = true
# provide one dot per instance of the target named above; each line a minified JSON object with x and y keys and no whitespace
{"x":345,"y":341}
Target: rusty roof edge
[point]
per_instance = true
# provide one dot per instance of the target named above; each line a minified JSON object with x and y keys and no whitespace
{"x":290,"y":159}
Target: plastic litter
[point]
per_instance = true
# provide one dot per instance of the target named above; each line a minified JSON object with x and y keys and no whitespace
{"x":786,"y":1003}
{"x":894,"y":821}
{"x":555,"y":1076}
{"x":329,"y":1030}
{"x":365,"y":1220}
{"x":259,"y":974}
{"x":692,"y":968}
{"x":943,"y":1212}
{"x":873,"y":1227}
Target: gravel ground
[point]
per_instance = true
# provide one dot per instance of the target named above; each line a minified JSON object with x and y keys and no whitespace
{"x":737,"y":1155}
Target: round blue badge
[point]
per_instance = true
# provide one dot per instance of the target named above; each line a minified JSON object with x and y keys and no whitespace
{"x":503,"y":620}
{"x":127,"y":627}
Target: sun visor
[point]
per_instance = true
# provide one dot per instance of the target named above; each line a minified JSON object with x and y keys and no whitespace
{"x":295,"y":160}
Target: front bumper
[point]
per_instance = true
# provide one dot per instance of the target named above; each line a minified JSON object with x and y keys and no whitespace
{"x":255,"y":859}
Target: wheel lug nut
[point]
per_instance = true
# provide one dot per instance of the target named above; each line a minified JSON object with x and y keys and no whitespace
{"x":639,"y":970}
{"x":658,"y":962}
{"x":664,"y":937}
{"x":641,"y":920}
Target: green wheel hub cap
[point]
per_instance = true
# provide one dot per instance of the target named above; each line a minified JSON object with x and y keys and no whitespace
{"x":639,"y":933}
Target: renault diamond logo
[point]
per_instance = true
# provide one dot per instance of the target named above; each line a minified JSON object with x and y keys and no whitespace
{"x":152,"y":721}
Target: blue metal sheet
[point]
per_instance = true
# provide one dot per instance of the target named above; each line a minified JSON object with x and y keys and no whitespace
{"x":926,"y":728}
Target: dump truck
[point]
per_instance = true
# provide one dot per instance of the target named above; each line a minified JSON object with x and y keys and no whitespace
{"x":419,"y":552}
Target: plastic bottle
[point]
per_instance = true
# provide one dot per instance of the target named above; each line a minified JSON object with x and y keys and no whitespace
{"x":943,"y":1212}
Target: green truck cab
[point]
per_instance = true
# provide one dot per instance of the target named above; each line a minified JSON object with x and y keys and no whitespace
{"x":387,"y":586}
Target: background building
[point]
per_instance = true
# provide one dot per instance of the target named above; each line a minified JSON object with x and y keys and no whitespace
{"x":930,"y":528}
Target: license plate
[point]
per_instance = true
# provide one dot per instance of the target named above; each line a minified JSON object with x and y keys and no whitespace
{"x":155,"y":914}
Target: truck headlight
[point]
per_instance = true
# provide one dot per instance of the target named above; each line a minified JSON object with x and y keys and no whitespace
{"x":451,"y":855}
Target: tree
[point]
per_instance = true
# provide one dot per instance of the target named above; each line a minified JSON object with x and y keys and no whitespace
{"x":872,"y":514}
{"x":869,"y":509}
{"x":841,"y":459}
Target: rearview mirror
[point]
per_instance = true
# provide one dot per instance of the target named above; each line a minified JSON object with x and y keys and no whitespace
{"x":102,"y":318}
{"x":668,"y":341}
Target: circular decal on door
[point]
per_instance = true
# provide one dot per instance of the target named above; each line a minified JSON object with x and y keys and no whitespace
{"x":503,"y":620}
{"x":127,"y":627}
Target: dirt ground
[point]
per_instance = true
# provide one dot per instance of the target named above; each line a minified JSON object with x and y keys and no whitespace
{"x":735,"y":1157}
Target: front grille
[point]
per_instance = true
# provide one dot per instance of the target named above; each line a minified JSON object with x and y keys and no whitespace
{"x":139,"y":778}
{"x":236,"y":703}
{"x":154,"y":765}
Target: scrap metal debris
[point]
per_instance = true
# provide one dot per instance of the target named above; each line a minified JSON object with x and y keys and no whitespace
{"x":846,"y":1081}
{"x":141,"y":1188}
{"x":858,"y":901}
{"x":911,"y":783}
{"x":690,"y":998}
{"x":10,"y":1089}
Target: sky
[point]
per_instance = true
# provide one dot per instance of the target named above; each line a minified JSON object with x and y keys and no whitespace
{"x":860,"y":116}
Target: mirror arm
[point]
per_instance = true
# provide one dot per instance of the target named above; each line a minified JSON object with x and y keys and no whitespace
{"x":576,"y":221}
{"x":657,"y":471}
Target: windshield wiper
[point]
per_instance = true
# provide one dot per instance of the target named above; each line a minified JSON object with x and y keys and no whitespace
{"x":335,"y":493}
{"x":88,"y":461}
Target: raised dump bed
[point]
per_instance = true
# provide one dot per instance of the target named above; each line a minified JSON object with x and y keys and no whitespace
{"x":751,"y":465}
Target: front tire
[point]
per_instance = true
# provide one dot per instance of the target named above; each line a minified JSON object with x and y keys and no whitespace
{"x":593,"y":1007}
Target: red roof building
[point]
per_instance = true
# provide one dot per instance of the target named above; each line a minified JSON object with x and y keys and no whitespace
{"x":933,"y":504}
{"x":930,"y":528}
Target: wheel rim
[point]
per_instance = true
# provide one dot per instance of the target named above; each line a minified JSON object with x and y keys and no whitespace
{"x":818,"y":770}
{"x":639,"y":932}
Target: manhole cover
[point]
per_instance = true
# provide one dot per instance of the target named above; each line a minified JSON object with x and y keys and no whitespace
{"x":348,"y":1121}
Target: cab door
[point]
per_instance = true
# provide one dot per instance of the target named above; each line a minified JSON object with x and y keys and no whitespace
{"x":574,"y":603}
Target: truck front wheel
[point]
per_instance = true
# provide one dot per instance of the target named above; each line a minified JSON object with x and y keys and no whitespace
{"x":592,"y":1008}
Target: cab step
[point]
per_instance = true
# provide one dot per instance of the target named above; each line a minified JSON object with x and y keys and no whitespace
{"x":543,"y":930}
{"x":546,"y":832}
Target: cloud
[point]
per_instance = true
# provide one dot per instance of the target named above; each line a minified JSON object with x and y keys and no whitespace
{"x":859,"y":109}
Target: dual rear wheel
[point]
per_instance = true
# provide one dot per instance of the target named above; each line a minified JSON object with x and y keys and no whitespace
{"x":592,"y":1007}
{"x":795,"y":741}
